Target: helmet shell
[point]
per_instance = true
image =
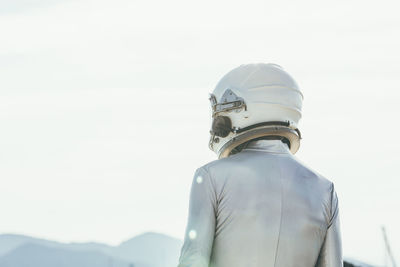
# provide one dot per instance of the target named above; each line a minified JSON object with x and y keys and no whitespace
{"x":270,"y":94}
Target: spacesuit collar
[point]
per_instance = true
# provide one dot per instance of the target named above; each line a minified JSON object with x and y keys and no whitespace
{"x":273,"y":146}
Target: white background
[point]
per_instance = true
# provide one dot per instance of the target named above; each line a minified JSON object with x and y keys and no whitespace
{"x":104,"y":112}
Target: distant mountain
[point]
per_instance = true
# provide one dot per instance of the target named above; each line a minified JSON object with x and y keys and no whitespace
{"x":8,"y":242}
{"x":158,"y":250}
{"x":33,"y":255}
{"x":146,"y":250}
{"x":355,"y":263}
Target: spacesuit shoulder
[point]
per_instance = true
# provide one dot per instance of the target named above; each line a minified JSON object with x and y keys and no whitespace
{"x":212,"y":166}
{"x":311,"y":173}
{"x":320,"y":185}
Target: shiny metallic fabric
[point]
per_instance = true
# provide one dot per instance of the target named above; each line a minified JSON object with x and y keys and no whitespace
{"x":261,"y":208}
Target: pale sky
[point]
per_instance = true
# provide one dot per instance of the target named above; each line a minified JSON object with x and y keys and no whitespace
{"x":104,"y":112}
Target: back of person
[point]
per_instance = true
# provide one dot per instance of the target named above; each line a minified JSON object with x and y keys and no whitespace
{"x":257,"y":205}
{"x":269,"y":210}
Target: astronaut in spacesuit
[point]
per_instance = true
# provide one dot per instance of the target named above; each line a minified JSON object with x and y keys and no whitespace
{"x":258,"y":205}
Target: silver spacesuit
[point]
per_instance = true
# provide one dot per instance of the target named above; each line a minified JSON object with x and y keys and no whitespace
{"x":258,"y":206}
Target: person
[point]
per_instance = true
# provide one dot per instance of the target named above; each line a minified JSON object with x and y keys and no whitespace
{"x":258,"y":205}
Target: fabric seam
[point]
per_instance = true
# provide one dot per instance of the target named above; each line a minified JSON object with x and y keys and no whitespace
{"x":281,"y":215}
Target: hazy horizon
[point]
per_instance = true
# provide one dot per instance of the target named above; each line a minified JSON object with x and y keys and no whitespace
{"x":104,"y":112}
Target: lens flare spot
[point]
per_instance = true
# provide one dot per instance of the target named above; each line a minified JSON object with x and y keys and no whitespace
{"x":199,"y":179}
{"x":192,"y":234}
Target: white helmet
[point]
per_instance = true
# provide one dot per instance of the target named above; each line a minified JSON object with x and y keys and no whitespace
{"x":254,"y":101}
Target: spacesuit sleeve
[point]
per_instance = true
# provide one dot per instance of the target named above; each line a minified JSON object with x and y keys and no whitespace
{"x":331,"y":250}
{"x":200,"y":229}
